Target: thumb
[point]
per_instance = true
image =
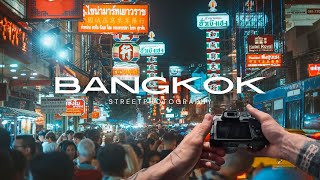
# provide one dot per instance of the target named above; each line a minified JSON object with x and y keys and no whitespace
{"x":204,"y":128}
{"x":259,"y":115}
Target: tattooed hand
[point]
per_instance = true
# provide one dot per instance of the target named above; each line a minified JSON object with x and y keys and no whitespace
{"x":297,"y":149}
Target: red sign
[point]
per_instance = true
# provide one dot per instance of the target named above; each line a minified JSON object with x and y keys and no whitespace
{"x":74,"y":107}
{"x":12,"y":34}
{"x":115,"y":18}
{"x":54,"y":9}
{"x":263,"y":60}
{"x":314,"y":70}
{"x":126,"y":52}
{"x":264,"y":43}
{"x":95,"y":114}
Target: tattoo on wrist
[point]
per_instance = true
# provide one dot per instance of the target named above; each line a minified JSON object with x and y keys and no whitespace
{"x":309,"y":158}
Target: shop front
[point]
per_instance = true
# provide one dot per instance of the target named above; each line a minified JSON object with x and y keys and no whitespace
{"x":18,"y":121}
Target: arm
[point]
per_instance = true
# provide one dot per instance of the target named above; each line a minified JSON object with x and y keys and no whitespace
{"x":60,"y":139}
{"x":297,"y":149}
{"x":192,"y":151}
{"x":303,"y":152}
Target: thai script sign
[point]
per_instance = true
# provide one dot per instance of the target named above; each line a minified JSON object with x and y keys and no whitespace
{"x":112,"y":19}
{"x":263,"y":60}
{"x":152,"y":48}
{"x":213,"y":21}
{"x":314,"y":70}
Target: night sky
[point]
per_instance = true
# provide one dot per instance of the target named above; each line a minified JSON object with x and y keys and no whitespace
{"x":174,"y":22}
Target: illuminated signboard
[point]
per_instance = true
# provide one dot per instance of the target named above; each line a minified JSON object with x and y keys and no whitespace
{"x":212,"y":34}
{"x":303,"y":14}
{"x":177,"y":71}
{"x":115,"y":18}
{"x":264,"y":43}
{"x":126,"y":37}
{"x":314,"y":70}
{"x":251,"y":20}
{"x":213,"y":45}
{"x":94,"y":115}
{"x":44,"y":9}
{"x":213,"y":21}
{"x":13,"y":35}
{"x":74,"y":107}
{"x":125,"y":71}
{"x":152,"y":48}
{"x":125,"y":52}
{"x":263,"y":60}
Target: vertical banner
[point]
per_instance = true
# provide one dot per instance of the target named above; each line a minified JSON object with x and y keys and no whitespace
{"x":213,"y":57}
{"x":152,"y":71}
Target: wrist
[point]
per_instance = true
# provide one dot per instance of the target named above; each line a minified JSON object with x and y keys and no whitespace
{"x":291,"y":146}
{"x":160,"y":170}
{"x":284,"y":145}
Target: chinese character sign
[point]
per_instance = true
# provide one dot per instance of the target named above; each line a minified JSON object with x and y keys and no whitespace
{"x":213,"y":57}
{"x":112,"y":19}
{"x":126,"y":52}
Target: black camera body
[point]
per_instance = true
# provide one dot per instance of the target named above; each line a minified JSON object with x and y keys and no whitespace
{"x":235,"y":130}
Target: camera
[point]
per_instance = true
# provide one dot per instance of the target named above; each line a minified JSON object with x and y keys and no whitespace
{"x":233,"y":130}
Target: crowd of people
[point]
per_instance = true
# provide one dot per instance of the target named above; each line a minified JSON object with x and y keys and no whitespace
{"x":92,"y":155}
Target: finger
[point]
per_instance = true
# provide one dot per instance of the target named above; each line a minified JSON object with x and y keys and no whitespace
{"x":204,"y":128}
{"x":261,"y":116}
{"x":209,"y":165}
{"x":220,"y":151}
{"x":213,"y":157}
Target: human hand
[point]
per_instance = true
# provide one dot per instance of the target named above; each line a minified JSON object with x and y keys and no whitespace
{"x":193,"y":151}
{"x":273,"y":132}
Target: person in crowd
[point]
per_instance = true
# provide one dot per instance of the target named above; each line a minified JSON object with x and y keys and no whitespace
{"x":50,"y":144}
{"x":68,"y":135}
{"x":70,"y":149}
{"x":169,"y":144}
{"x":77,"y":137}
{"x":85,"y":169}
{"x":140,"y":136}
{"x":144,"y":148}
{"x":152,"y":158}
{"x":39,"y":148}
{"x":112,"y":161}
{"x":122,"y":138}
{"x":13,"y":165}
{"x":52,"y":166}
{"x":95,"y":136}
{"x":87,"y":153}
{"x":4,"y":139}
{"x":19,"y":164}
{"x":108,"y":139}
{"x":26,"y":144}
{"x":133,"y":164}
{"x":160,"y":129}
{"x":41,"y":136}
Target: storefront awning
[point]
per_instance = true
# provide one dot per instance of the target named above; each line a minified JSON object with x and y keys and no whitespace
{"x":14,"y":112}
